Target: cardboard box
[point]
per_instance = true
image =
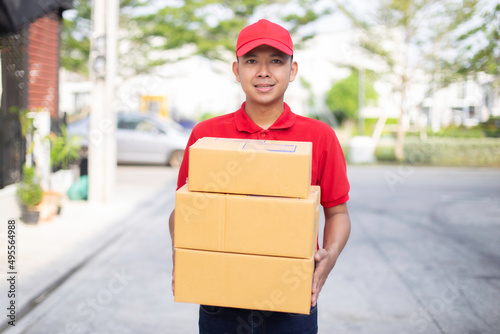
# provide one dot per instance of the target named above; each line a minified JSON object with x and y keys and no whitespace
{"x":262,"y":225}
{"x":254,"y":167}
{"x":244,"y":281}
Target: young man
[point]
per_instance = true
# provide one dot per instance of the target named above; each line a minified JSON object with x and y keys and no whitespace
{"x":265,"y":67}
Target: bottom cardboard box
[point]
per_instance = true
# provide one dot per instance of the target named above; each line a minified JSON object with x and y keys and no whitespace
{"x":255,"y":282}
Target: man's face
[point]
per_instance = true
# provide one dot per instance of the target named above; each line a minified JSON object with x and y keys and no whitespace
{"x":264,"y":74}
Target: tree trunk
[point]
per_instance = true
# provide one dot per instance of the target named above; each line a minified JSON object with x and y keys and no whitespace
{"x":400,"y":137}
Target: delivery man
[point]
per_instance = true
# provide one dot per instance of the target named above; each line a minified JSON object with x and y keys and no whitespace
{"x":264,"y":67}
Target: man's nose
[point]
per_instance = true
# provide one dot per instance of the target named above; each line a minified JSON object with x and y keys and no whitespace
{"x":263,"y":71}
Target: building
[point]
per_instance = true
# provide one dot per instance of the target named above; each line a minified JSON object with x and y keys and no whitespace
{"x":30,"y":35}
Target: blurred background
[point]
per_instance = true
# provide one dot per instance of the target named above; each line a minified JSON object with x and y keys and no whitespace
{"x":413,"y":81}
{"x":99,"y":97}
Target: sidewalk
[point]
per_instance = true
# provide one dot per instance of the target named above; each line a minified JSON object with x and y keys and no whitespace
{"x":51,"y":251}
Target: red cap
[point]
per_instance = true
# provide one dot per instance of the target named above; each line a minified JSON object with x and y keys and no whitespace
{"x":264,"y":32}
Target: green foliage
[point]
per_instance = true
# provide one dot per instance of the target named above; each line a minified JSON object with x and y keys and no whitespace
{"x":64,"y":149}
{"x":445,"y":151}
{"x":29,"y":192}
{"x":404,"y":34}
{"x":454,"y":131}
{"x":385,"y":153}
{"x":342,"y":98}
{"x":391,"y":21}
{"x":76,"y":31}
{"x":210,"y":26}
{"x":28,"y":128}
{"x":75,"y":42}
{"x":466,"y":152}
{"x":491,"y":128}
{"x":476,"y":45}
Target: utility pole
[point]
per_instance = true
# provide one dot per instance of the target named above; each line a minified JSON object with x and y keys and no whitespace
{"x":102,"y":142}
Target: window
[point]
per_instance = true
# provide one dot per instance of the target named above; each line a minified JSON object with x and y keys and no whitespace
{"x":127,"y":124}
{"x":145,"y":126}
{"x":82,"y":100}
{"x":471,"y":111}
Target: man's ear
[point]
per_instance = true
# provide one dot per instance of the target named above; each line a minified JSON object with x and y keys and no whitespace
{"x":236,"y":71}
{"x":294,"y":70}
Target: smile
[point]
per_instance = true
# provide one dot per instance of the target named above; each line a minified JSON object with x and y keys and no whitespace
{"x":264,"y":88}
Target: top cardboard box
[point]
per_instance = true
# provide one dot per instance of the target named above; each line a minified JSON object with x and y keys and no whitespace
{"x":252,"y":167}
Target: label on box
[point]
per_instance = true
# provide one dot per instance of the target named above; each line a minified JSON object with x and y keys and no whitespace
{"x":270,"y":147}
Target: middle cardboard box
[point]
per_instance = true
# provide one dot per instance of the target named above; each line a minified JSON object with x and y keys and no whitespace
{"x":260,"y":225}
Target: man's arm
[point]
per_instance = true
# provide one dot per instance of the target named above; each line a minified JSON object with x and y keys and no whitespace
{"x":171,"y":225}
{"x":336,"y":233}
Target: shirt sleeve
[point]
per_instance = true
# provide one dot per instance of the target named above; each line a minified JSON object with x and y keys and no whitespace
{"x":333,"y":177}
{"x":183,"y":169}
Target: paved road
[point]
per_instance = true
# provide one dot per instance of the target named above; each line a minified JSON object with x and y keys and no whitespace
{"x":423,"y":257}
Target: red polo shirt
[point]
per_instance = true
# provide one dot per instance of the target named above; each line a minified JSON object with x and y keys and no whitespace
{"x":328,"y":163}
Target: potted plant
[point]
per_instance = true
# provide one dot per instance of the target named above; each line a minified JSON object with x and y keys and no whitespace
{"x":47,"y":206}
{"x":64,"y":153}
{"x":30,"y":194}
{"x":64,"y":149}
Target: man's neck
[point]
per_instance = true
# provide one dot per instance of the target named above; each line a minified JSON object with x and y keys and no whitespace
{"x":264,"y":116}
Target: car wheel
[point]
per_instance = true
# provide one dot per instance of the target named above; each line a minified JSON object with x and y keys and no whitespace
{"x":176,"y":158}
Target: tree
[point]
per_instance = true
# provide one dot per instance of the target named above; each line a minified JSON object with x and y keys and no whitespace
{"x":399,"y":29}
{"x":342,"y":99}
{"x":475,"y":44}
{"x":75,"y":34}
{"x":203,"y":27}
{"x":75,"y":42}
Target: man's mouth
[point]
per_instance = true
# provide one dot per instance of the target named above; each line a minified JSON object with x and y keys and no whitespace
{"x":263,"y":88}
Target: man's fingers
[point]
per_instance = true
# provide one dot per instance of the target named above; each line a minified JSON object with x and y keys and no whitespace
{"x":173,"y":282}
{"x":320,"y":255}
{"x":314,"y":299}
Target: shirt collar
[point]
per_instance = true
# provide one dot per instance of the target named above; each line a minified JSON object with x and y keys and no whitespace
{"x":245,"y":123}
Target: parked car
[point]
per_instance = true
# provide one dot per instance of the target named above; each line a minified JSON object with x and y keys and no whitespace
{"x":141,"y":139}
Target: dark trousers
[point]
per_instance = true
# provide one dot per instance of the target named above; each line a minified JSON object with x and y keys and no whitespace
{"x":225,"y":320}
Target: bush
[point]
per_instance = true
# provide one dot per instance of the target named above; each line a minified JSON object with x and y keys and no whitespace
{"x":385,"y":153}
{"x":454,"y":131}
{"x":30,"y":192}
{"x":484,"y":152}
{"x":491,"y":128}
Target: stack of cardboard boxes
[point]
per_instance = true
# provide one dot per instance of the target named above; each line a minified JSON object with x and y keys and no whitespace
{"x":246,"y":225}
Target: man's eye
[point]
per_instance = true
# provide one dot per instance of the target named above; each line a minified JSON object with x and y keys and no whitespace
{"x":251,"y":61}
{"x":276,"y":61}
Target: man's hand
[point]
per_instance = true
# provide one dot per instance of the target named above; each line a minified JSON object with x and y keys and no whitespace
{"x":336,"y":233}
{"x":324,"y":263}
{"x":173,"y":271}
{"x":173,"y":281}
